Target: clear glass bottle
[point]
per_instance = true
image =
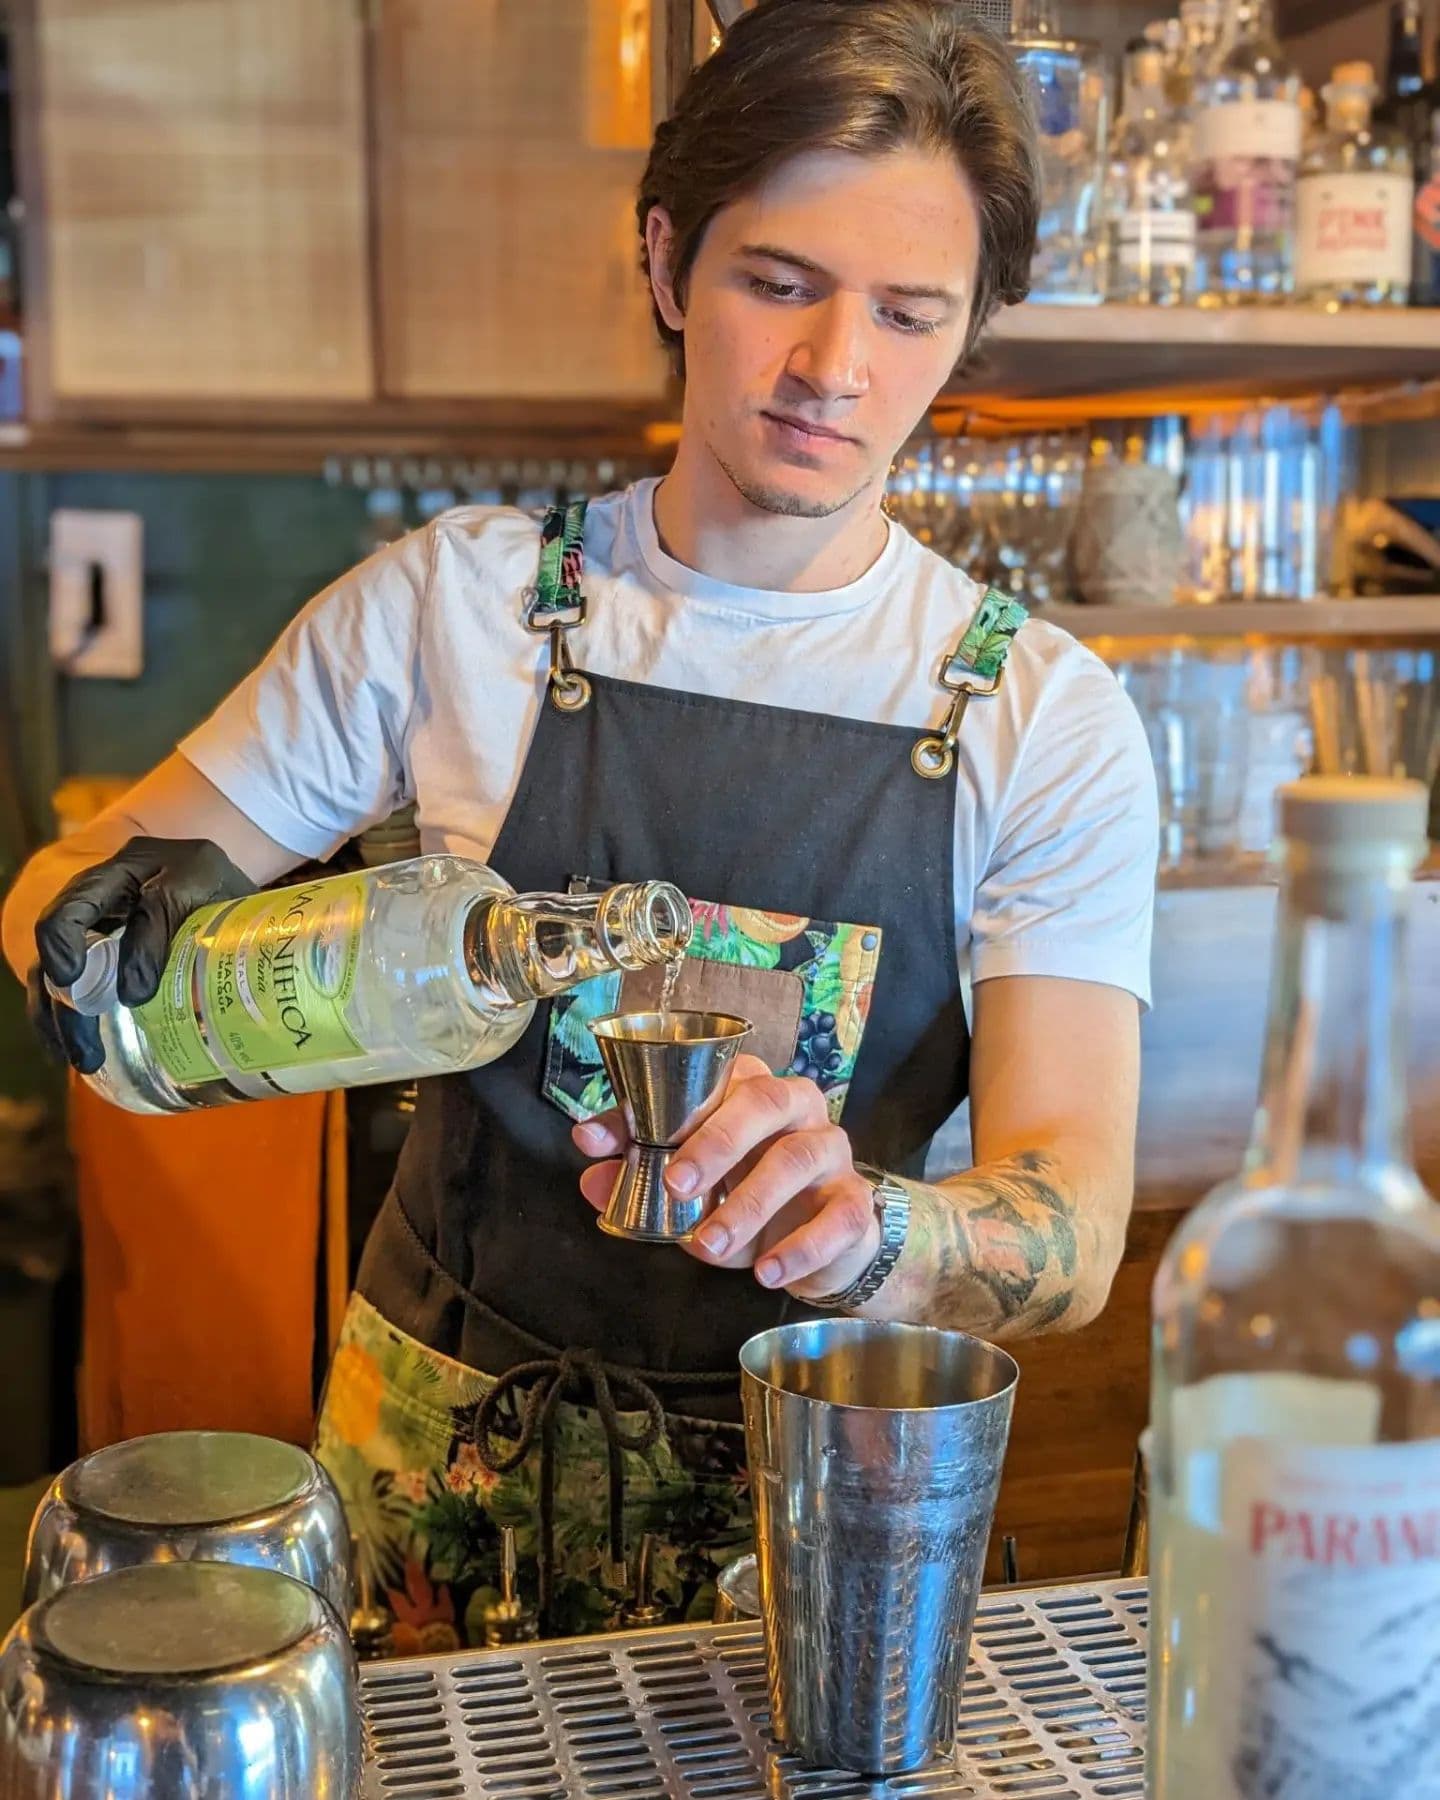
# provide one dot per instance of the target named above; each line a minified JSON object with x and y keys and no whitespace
{"x":1199,"y":32}
{"x":1150,"y":221}
{"x":1354,"y":204}
{"x":1069,"y":84}
{"x":1246,"y":146}
{"x":1295,"y":1399}
{"x":419,"y":968}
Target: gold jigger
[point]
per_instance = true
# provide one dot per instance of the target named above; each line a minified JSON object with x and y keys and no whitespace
{"x":669,"y":1071}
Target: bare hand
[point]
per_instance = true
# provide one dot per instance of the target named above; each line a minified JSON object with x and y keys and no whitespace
{"x":797,"y":1211}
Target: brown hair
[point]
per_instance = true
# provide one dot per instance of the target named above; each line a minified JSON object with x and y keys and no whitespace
{"x":860,"y":75}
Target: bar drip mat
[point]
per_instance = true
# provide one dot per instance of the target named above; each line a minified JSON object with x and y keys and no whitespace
{"x":1054,"y":1707}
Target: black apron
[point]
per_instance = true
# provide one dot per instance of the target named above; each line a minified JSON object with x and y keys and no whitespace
{"x":485,"y":1249}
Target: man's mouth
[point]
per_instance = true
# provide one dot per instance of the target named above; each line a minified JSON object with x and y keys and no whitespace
{"x":806,"y":430}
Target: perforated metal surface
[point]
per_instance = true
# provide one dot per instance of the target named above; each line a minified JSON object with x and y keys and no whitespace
{"x":1053,"y":1707}
{"x":993,"y":12}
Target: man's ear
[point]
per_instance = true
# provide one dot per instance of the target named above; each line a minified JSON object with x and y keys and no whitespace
{"x":659,"y":244}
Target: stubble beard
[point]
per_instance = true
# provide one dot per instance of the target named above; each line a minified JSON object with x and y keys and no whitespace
{"x":780,"y":501}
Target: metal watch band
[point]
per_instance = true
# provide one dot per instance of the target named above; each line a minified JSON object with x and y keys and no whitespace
{"x":892,"y":1209}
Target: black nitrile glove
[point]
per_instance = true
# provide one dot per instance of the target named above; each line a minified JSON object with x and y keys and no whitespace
{"x":150,"y":888}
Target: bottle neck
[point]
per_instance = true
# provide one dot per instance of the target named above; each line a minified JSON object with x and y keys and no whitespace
{"x":1405,"y":67}
{"x":1248,"y":20}
{"x":529,"y":946}
{"x":1348,"y":114}
{"x":1333,"y":1100}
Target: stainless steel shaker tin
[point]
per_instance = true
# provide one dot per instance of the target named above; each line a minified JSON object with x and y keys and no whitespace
{"x":170,"y":1681}
{"x":192,"y":1496}
{"x":875,"y":1452}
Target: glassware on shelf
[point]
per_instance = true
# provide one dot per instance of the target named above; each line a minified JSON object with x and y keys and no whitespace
{"x":1247,"y":143}
{"x":1354,"y":202}
{"x":1280,"y":745}
{"x":1127,"y":548}
{"x":1069,"y":85}
{"x":1197,"y":721}
{"x":1376,"y":712}
{"x":1149,"y":216}
{"x":1262,"y":494}
{"x":1001,"y":509}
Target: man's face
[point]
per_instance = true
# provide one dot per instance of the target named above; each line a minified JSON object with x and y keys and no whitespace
{"x":824,"y":312}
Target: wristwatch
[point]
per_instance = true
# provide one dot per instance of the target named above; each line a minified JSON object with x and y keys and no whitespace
{"x":892,"y":1210}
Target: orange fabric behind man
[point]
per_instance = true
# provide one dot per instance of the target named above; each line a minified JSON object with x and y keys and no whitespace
{"x":200,"y":1241}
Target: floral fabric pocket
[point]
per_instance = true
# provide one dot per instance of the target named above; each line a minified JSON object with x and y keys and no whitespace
{"x":806,"y":984}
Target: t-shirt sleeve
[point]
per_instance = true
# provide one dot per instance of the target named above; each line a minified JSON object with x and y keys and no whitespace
{"x":311,"y":746}
{"x":1069,"y":889}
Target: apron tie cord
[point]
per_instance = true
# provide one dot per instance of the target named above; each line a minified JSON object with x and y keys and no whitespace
{"x":534,"y":1391}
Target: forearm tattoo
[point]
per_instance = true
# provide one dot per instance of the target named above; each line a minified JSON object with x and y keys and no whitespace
{"x":998,"y":1251}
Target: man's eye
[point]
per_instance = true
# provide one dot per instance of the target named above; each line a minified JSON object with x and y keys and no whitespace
{"x":776,"y":290}
{"x":914,"y":324}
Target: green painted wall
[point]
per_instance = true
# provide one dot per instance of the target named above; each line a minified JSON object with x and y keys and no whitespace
{"x":228,"y":560}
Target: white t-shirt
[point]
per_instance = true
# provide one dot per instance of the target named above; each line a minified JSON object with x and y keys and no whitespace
{"x":413,"y":678}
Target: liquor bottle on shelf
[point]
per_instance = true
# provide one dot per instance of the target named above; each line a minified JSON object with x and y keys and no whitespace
{"x":1199,"y":33}
{"x":1246,"y":148}
{"x":1069,"y":83}
{"x":1295,"y":1403}
{"x":419,"y":968}
{"x":1150,"y":221}
{"x":1354,"y":203}
{"x":1404,"y":104}
{"x":1425,"y":266}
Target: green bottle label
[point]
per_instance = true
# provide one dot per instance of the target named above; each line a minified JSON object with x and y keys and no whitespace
{"x":276,"y":973}
{"x":169,"y":1021}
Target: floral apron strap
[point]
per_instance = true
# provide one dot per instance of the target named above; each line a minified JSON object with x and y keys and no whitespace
{"x":556,"y":604}
{"x":976,"y":666}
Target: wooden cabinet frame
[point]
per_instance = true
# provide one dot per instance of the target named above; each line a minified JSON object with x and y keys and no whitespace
{"x":533,"y":426}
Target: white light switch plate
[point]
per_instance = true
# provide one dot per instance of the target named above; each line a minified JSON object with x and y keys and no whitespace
{"x":97,"y":593}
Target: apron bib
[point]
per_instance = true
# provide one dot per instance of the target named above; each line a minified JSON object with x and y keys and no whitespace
{"x":819,"y":854}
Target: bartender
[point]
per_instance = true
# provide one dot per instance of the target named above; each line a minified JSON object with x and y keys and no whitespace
{"x":918,"y":832}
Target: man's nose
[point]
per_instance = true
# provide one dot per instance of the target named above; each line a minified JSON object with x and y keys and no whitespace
{"x":832,"y":354}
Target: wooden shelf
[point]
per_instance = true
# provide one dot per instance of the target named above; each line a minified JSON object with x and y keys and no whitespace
{"x":1189,"y":354}
{"x":302,"y":447}
{"x":1297,"y":621}
{"x":1060,"y":363}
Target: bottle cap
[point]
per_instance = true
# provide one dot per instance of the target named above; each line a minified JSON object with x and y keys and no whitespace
{"x":93,"y":989}
{"x":1345,"y":814}
{"x":1353,"y":74}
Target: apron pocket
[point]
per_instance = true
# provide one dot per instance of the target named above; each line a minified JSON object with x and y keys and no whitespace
{"x":805,"y":984}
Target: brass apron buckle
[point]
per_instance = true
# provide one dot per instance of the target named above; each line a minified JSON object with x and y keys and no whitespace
{"x":933,"y":756}
{"x":569,"y":690}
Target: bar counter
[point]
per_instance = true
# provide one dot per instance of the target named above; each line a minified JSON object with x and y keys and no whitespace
{"x":1053,"y":1705}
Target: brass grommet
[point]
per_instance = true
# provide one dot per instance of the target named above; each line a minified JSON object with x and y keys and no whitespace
{"x":932,"y":758}
{"x":569,"y":693}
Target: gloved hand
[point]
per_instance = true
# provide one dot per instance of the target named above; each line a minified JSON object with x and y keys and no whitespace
{"x":150,"y":887}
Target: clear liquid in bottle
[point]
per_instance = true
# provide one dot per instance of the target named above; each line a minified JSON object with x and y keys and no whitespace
{"x":424,"y":967}
{"x":1295,"y":1416}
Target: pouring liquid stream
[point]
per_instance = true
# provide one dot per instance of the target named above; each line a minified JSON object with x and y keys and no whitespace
{"x":672,"y":976}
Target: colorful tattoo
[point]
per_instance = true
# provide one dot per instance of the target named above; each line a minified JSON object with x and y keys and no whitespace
{"x":997,"y":1251}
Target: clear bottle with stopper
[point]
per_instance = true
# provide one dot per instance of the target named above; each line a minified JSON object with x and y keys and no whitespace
{"x":1295,"y":1401}
{"x":1150,"y":221}
{"x":1246,"y":146}
{"x":1353,"y":220}
{"x":425,"y":967}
